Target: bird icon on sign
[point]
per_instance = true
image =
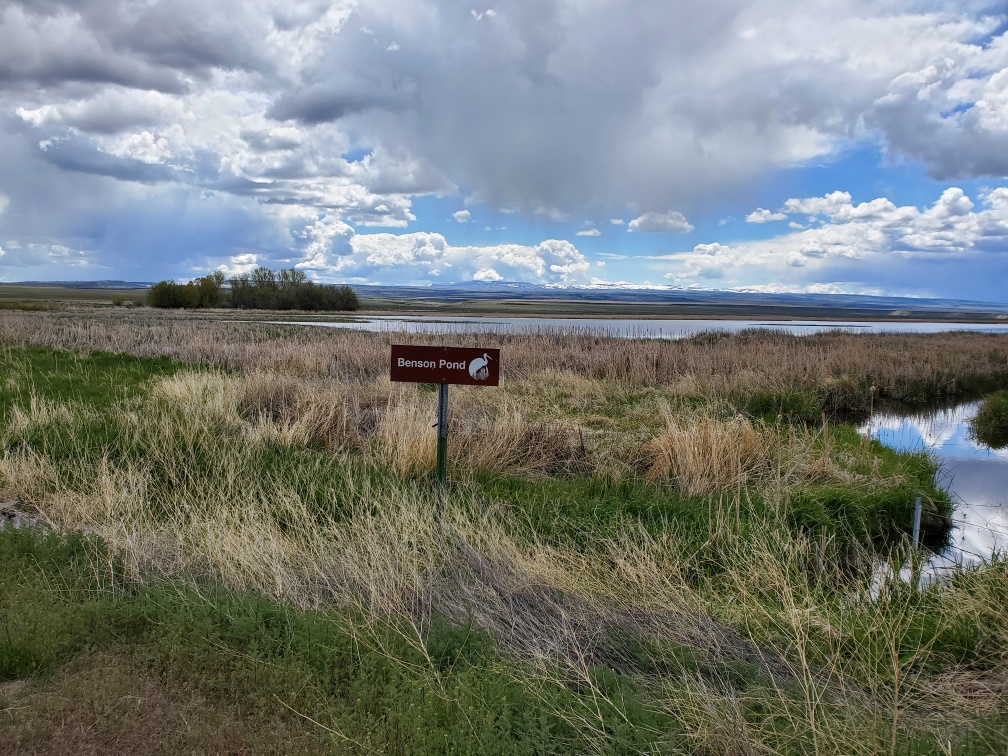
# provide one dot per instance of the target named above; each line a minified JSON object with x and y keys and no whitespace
{"x":479,"y":368}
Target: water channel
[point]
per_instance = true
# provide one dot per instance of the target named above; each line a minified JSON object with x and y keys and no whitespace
{"x":975,"y":475}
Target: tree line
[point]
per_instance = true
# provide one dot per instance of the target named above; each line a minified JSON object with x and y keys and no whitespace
{"x":262,"y":289}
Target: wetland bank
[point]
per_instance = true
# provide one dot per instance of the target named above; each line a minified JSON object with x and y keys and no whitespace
{"x":645,"y":546}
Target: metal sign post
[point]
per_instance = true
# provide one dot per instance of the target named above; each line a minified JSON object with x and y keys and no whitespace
{"x":441,"y":474}
{"x":444,"y":366}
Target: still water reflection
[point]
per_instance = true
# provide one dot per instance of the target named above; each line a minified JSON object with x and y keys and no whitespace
{"x":975,"y":475}
{"x":645,"y":328}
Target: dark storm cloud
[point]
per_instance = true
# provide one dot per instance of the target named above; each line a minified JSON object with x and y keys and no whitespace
{"x":543,"y":105}
{"x":109,"y":118}
{"x":347,"y":86}
{"x":145,"y":46}
{"x":196,"y":36}
{"x":953,"y":146}
{"x":320,"y":105}
{"x":527,"y":107}
{"x":47,"y":69}
{"x":84,"y":158}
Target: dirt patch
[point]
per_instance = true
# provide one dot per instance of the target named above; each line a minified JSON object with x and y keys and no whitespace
{"x":108,"y":703}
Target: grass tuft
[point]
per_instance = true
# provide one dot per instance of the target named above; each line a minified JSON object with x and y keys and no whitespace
{"x":990,"y":426}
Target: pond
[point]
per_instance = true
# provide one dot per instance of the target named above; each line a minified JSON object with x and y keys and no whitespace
{"x":975,"y":475}
{"x":654,"y":328}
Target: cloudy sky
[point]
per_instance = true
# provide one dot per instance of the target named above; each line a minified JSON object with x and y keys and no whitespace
{"x":855,"y":146}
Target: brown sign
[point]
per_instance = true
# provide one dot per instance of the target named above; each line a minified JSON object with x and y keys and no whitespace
{"x":426,"y":364}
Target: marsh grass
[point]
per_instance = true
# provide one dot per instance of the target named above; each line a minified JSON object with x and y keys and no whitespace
{"x":682,"y":570}
{"x":764,"y":372}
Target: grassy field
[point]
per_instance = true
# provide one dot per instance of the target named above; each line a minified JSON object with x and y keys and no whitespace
{"x":32,"y":297}
{"x":643,"y":547}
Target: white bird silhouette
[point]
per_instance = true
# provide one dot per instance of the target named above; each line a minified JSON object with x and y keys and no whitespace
{"x":479,"y":364}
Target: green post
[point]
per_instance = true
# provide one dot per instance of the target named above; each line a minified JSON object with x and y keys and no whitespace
{"x":442,"y":435}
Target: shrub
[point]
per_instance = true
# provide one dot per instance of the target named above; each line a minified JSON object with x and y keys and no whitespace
{"x":171,"y":294}
{"x":288,"y":289}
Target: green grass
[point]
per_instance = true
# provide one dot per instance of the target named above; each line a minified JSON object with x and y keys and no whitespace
{"x":876,"y":514}
{"x":98,"y":379}
{"x":456,"y":694}
{"x":990,"y":426}
{"x":580,"y":510}
{"x":793,"y":406}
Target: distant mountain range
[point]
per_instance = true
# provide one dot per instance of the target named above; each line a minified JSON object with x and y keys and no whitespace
{"x":668,"y":296}
{"x":691,"y":299}
{"x":87,"y":284}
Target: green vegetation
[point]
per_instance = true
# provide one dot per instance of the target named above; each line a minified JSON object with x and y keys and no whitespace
{"x":263,"y":289}
{"x":375,"y":691}
{"x":97,"y":379}
{"x":27,"y":305}
{"x":990,"y":425}
{"x":615,"y":567}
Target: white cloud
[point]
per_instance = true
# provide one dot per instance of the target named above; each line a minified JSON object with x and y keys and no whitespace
{"x":462,"y":216}
{"x":238,"y":264}
{"x":589,"y":232}
{"x":617,"y":221}
{"x":408,"y":258}
{"x":829,"y":205}
{"x":487,"y":274}
{"x":899,"y":247}
{"x":672,"y":222}
{"x":759,"y":215}
{"x":319,"y":236}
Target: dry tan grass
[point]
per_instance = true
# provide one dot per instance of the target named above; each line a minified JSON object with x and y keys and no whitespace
{"x":39,"y":414}
{"x":704,"y":453}
{"x":390,"y":423}
{"x":398,"y":552}
{"x":840,"y":367}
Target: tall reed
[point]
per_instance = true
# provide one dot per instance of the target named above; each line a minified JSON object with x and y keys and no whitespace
{"x":838,"y":369}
